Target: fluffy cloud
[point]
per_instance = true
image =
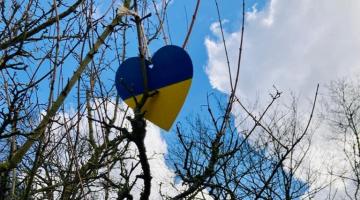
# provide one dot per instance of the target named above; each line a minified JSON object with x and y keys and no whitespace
{"x":156,"y":149}
{"x":293,"y":45}
{"x":163,"y":177}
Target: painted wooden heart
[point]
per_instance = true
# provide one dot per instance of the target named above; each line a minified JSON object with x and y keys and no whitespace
{"x":169,"y":73}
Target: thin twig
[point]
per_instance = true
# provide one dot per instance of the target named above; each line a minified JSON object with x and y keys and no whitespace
{"x":191,"y":24}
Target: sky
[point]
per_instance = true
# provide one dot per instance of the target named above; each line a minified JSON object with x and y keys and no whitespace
{"x":293,"y":45}
{"x":196,"y":48}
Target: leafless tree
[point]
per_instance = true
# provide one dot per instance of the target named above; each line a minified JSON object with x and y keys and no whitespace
{"x":257,"y":158}
{"x":55,"y":53}
{"x":220,"y":159}
{"x":343,"y":114}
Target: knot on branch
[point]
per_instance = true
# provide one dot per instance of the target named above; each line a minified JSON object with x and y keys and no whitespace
{"x":138,"y":125}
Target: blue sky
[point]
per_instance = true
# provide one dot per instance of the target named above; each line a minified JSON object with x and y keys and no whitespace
{"x":179,"y":17}
{"x":291,"y":44}
{"x":178,"y":12}
{"x":295,"y":45}
{"x":231,"y":11}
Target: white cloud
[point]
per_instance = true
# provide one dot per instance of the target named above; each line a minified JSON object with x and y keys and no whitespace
{"x":162,"y":174}
{"x":155,"y":145}
{"x":293,"y":45}
{"x":163,"y":177}
{"x":156,"y":148}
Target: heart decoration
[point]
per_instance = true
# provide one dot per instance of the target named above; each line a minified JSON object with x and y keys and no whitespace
{"x":169,"y":74}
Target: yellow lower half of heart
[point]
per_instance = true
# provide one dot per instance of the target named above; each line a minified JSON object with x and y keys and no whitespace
{"x":163,"y":107}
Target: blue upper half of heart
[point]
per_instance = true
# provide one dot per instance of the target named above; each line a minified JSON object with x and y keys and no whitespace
{"x":169,"y":65}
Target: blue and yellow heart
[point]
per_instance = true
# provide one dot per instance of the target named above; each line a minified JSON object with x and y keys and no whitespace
{"x":169,"y":75}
